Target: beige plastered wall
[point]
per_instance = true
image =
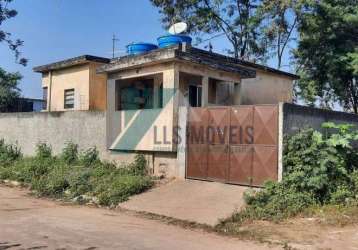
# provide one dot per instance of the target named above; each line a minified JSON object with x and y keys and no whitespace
{"x":266,"y":88}
{"x":90,"y":88}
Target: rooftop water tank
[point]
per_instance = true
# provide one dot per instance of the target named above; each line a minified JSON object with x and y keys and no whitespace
{"x":170,"y":40}
{"x":139,"y":48}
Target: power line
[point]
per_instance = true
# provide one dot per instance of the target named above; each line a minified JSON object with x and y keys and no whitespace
{"x":210,"y":38}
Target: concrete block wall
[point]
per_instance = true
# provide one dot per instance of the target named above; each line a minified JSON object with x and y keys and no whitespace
{"x":85,"y":128}
{"x":296,"y":117}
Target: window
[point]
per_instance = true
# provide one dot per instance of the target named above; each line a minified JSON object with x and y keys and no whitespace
{"x":136,"y":95}
{"x":69,"y":98}
{"x":195,"y":96}
{"x":160,"y":96}
{"x":44,"y":97}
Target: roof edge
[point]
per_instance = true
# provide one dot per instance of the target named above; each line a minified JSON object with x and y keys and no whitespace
{"x":70,"y":62}
{"x":248,"y":64}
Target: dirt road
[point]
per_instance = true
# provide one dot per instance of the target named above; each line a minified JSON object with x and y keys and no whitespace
{"x":30,"y":223}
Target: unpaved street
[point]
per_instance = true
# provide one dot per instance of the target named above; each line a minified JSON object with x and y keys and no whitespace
{"x":30,"y":223}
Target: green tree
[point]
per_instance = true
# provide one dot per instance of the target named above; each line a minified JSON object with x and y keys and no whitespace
{"x":5,"y":14}
{"x":9,"y":90}
{"x":280,"y":18}
{"x":235,"y":19}
{"x":327,"y":53}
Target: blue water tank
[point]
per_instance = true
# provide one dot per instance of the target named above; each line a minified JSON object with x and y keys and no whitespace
{"x":139,"y":48}
{"x":169,"y":40}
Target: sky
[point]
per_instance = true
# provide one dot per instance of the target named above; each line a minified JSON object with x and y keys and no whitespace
{"x":54,"y":30}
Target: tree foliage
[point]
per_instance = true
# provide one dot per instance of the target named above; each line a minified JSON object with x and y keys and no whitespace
{"x":9,"y":90}
{"x":327,"y":53}
{"x":235,"y":19}
{"x":280,"y":19}
{"x":7,"y":13}
{"x":257,"y":29}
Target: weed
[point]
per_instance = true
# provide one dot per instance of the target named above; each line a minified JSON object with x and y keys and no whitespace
{"x":9,"y":153}
{"x":318,"y":170}
{"x":43,"y":150}
{"x":70,"y":153}
{"x":73,"y":177}
{"x":89,"y":157}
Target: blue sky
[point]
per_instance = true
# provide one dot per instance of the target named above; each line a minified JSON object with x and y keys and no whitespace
{"x":58,"y":29}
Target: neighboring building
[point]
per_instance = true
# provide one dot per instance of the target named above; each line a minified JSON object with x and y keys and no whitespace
{"x":73,"y":84}
{"x":25,"y":105}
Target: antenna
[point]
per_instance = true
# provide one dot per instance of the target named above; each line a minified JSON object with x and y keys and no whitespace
{"x":178,"y":28}
{"x":114,"y":40}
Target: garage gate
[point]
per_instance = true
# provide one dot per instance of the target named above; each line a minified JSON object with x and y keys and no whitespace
{"x":237,"y":144}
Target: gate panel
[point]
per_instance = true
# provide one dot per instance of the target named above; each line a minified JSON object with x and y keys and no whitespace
{"x":218,"y":126}
{"x":264,"y":164}
{"x":266,"y":125}
{"x":197,"y":148}
{"x":236,"y":145}
{"x":241,"y":125}
{"x":198,"y":122}
{"x":240,"y":171}
{"x":218,"y":162}
{"x":197,"y":161}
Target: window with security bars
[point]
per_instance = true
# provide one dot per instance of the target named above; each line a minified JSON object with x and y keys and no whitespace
{"x":44,"y":97}
{"x":69,"y":98}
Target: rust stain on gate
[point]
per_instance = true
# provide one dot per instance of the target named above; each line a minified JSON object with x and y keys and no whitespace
{"x":236,"y":145}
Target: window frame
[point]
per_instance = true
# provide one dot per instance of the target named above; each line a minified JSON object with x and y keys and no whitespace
{"x":44,"y":97}
{"x":198,"y":97}
{"x":65,"y":94}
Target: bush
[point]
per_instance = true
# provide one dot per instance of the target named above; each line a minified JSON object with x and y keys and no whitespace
{"x":139,"y":166}
{"x":318,"y":170}
{"x":9,"y":153}
{"x":29,"y":168}
{"x":43,"y":150}
{"x":89,"y":157}
{"x":70,"y":153}
{"x":342,"y":195}
{"x":118,"y":189}
{"x":79,"y":181}
{"x":60,"y":178}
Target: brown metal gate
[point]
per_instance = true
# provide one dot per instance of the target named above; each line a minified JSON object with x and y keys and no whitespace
{"x":236,"y":145}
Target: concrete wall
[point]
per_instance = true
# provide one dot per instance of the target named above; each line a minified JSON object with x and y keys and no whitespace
{"x":87,"y":129}
{"x":296,"y":117}
{"x":266,"y":88}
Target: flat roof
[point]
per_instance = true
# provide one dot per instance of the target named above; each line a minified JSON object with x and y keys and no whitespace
{"x":180,"y":52}
{"x":246,"y":63}
{"x":70,"y":62}
{"x":187,"y":53}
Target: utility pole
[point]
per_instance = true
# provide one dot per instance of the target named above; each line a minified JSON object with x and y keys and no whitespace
{"x":114,"y":40}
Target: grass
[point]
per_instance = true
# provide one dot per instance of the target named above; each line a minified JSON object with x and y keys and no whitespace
{"x":337,"y":215}
{"x":75,"y":176}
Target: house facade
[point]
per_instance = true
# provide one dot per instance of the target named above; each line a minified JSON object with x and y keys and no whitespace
{"x":146,"y":91}
{"x":149,"y":100}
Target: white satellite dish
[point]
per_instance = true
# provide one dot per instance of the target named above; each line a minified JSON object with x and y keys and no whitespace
{"x":178,"y":28}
